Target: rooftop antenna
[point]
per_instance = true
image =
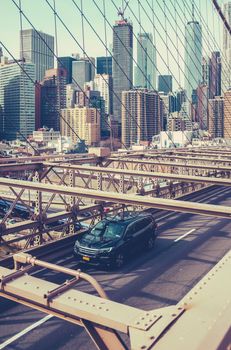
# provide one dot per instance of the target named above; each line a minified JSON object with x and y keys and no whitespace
{"x":122,"y":10}
{"x":193,"y":11}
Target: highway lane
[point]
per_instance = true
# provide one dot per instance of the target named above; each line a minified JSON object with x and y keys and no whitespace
{"x":152,"y":280}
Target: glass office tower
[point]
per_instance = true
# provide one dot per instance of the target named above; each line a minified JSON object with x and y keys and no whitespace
{"x":145,"y":72}
{"x":122,"y":66}
{"x":37,"y":47}
{"x":193,"y":57}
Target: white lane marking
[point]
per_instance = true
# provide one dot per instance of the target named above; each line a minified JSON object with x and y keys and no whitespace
{"x":25,"y":331}
{"x":186,"y":234}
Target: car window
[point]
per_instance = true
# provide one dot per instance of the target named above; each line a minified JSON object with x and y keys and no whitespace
{"x":113,"y":230}
{"x":108,"y":230}
{"x":146,"y":221}
{"x":142,"y":224}
{"x":130,"y":230}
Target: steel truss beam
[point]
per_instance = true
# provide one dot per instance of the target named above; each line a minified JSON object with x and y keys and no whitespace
{"x":171,"y":164}
{"x":82,"y":169}
{"x":165,"y":204}
{"x":201,"y":320}
{"x":59,"y":157}
{"x":190,"y":158}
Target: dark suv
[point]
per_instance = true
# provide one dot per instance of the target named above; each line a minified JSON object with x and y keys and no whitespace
{"x":113,"y":240}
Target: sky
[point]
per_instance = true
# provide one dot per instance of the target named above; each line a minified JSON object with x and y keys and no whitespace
{"x":169,"y":61}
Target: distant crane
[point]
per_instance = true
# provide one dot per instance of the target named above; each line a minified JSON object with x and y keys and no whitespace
{"x":122,"y":10}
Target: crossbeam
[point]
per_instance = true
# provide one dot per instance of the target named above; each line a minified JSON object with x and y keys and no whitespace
{"x":145,"y":174}
{"x":172,"y":164}
{"x":160,"y":203}
{"x":186,"y":158}
{"x":78,"y":156}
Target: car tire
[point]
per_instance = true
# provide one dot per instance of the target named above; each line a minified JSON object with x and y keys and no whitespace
{"x":151,"y":242}
{"x":118,"y":261}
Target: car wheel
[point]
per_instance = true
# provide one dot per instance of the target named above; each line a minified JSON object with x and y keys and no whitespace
{"x":119,"y":260}
{"x":150,"y":242}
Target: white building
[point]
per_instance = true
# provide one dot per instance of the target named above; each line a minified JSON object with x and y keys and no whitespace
{"x":170,"y":139}
{"x":45,"y":135}
{"x":103,"y":84}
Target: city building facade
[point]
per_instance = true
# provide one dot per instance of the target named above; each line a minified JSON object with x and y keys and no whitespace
{"x":165,"y":83}
{"x":226,"y":57}
{"x":216,"y":117}
{"x":83,"y":70}
{"x":104,"y":65}
{"x":193,"y":57}
{"x":103,"y":83}
{"x":17,"y":100}
{"x":227,"y":114}
{"x":122,"y":67}
{"x":45,"y":135}
{"x":81,"y":121}
{"x":202,"y":106}
{"x":145,"y":71}
{"x":50,"y":98}
{"x":37,"y":47}
{"x":66,"y":63}
{"x":141,"y":117}
{"x":215,"y":75}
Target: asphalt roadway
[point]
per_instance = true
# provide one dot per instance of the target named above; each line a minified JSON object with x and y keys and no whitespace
{"x":187,"y":247}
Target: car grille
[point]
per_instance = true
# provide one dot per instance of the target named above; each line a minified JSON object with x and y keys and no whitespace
{"x":88,"y":251}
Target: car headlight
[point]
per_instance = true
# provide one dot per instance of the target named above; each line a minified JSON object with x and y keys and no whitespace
{"x":106,"y":250}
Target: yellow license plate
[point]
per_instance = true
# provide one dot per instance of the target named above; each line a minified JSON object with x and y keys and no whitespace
{"x":86,"y":258}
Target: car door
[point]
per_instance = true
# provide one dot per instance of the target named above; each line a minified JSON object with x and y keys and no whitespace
{"x":129,"y":239}
{"x":142,"y":227}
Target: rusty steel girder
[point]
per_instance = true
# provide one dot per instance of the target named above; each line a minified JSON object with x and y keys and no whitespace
{"x":160,"y":203}
{"x":201,"y":320}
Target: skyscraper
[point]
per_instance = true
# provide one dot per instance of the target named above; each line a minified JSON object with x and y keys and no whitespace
{"x":165,"y":83}
{"x":202,"y":106}
{"x":17,"y":100}
{"x":226,"y":58}
{"x":216,"y":117}
{"x":83,"y":70}
{"x":104,"y":65}
{"x":140,"y":115}
{"x":145,"y":76}
{"x":122,"y":69}
{"x":37,"y":48}
{"x":193,"y":57}
{"x":227,"y":114}
{"x":66,"y":62}
{"x":215,"y":75}
{"x":52,"y":97}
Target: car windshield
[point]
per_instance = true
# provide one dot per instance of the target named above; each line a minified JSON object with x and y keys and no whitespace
{"x":107,"y":230}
